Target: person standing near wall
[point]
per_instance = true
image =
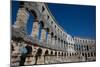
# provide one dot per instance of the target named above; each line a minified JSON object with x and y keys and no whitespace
{"x":23,"y":51}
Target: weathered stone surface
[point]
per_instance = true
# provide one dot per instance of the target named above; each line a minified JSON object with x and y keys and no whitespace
{"x":76,"y":49}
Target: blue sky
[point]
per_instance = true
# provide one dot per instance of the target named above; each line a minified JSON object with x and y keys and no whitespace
{"x":77,"y":20}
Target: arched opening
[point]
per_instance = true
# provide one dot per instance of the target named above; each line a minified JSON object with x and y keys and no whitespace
{"x":51,"y":53}
{"x":41,"y":24}
{"x":34,"y":14}
{"x":59,"y":42}
{"x":91,"y":54}
{"x":15,"y":8}
{"x":70,"y":54}
{"x":87,"y":48}
{"x":64,"y":44}
{"x":39,"y":52}
{"x":55,"y":37}
{"x":88,"y":55}
{"x":58,"y":53}
{"x":48,"y":30}
{"x":64,"y":54}
{"x":75,"y":54}
{"x":52,"y":34}
{"x":85,"y":56}
{"x":29,"y":25}
{"x":55,"y":53}
{"x":52,"y":38}
{"x":79,"y":47}
{"x":32,"y":18}
{"x":46,"y":53}
{"x":82,"y":54}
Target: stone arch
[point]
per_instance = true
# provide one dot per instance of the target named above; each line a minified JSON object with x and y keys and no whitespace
{"x":92,"y":54}
{"x":33,"y":18}
{"x":88,"y":54}
{"x":64,"y":54}
{"x":58,"y":53}
{"x":87,"y":48}
{"x":48,"y":30}
{"x":82,"y":54}
{"x":64,"y":42}
{"x":59,"y":39}
{"x":52,"y":34}
{"x":75,"y":53}
{"x":51,"y":53}
{"x":55,"y":37}
{"x":39,"y":52}
{"x":42,"y":24}
{"x":70,"y":54}
{"x":34,"y":13}
{"x":46,"y":53}
{"x":55,"y":53}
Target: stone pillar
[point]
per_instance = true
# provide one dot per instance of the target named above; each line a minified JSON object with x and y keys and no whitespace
{"x":59,"y":43}
{"x":22,"y":17}
{"x":53,"y":41}
{"x":35,"y":30}
{"x":43,"y":36}
{"x":49,"y":39}
{"x":56,"y":43}
{"x":63,"y":44}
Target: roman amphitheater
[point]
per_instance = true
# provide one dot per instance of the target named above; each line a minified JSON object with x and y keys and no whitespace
{"x":54,"y":46}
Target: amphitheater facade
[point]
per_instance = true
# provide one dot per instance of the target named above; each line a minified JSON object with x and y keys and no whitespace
{"x":54,"y":46}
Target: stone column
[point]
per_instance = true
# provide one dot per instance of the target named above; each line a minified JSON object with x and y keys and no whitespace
{"x":22,"y":17}
{"x":43,"y":36}
{"x":49,"y":39}
{"x":56,"y":43}
{"x":35,"y":30}
{"x":59,"y":43}
{"x":53,"y":41}
{"x":63,"y":44}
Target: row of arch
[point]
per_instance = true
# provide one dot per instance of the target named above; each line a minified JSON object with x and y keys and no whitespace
{"x":82,"y":47}
{"x":58,"y":53}
{"x":41,"y":25}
